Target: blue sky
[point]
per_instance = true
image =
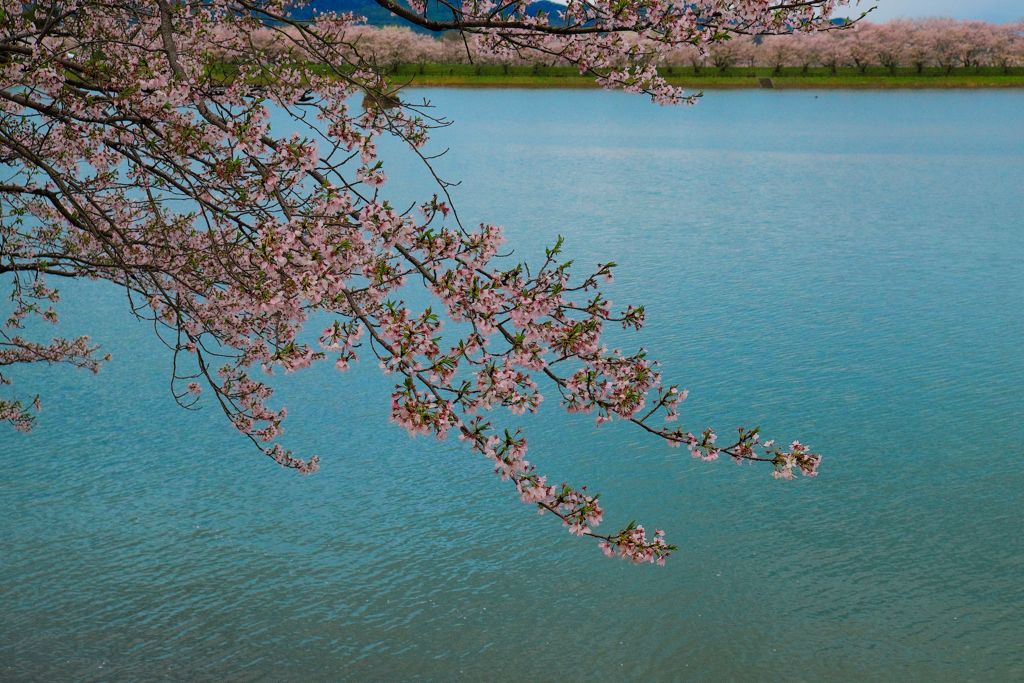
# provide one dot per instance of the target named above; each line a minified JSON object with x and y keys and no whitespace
{"x":998,"y":11}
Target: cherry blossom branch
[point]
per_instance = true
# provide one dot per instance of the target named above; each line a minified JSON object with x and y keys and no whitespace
{"x":153,"y":165}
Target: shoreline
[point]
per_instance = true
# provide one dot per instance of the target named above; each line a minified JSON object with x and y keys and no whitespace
{"x":584,"y":84}
{"x":470,"y":76}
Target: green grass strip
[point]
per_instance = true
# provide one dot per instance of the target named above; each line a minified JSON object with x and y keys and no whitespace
{"x":468,"y":75}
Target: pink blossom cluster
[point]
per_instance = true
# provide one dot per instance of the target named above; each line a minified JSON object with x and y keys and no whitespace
{"x":17,"y":415}
{"x":632,"y":544}
{"x":285,"y":459}
{"x":141,"y":152}
{"x":798,"y":456}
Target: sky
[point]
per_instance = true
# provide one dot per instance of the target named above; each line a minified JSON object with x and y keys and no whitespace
{"x":997,"y":11}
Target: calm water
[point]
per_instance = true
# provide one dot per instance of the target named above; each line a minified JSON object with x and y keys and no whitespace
{"x":842,"y":268}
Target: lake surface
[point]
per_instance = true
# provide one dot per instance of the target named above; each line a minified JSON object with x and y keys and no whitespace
{"x":845,"y":268}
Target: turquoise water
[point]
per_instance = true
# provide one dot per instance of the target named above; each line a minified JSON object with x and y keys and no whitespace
{"x":846,"y":268}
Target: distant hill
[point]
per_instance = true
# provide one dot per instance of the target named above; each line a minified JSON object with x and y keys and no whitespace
{"x":378,"y":16}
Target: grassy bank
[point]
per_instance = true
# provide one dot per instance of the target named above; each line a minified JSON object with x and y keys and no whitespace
{"x":467,"y":75}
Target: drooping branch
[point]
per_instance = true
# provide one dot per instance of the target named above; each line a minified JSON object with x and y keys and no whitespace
{"x":133,"y":158}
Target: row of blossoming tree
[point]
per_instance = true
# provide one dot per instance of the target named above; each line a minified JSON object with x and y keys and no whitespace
{"x":942,"y":43}
{"x":136,"y":149}
{"x":945,"y":43}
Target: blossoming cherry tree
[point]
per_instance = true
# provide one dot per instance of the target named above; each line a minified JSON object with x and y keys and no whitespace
{"x":137,"y":150}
